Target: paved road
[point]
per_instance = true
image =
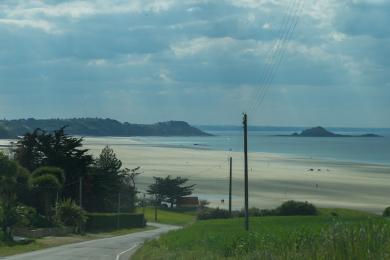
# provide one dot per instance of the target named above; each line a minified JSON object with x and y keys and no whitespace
{"x":115,"y":248}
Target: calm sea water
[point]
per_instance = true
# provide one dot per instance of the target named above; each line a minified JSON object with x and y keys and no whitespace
{"x":354,"y":149}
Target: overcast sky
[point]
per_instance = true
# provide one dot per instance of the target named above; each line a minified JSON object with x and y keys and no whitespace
{"x":202,"y":61}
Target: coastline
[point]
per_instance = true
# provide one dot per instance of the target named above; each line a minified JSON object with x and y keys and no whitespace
{"x":274,"y":178}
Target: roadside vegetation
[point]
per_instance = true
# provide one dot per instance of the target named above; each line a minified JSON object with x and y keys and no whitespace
{"x":170,"y":216}
{"x":49,"y":180}
{"x":50,"y":186}
{"x":330,"y":234}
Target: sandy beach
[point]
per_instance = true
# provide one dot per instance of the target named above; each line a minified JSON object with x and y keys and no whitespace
{"x":273,"y":178}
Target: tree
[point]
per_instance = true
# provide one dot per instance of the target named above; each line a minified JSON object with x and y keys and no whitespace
{"x":47,"y":182}
{"x":104,"y":182}
{"x":12,"y":183}
{"x":41,"y":148}
{"x":107,"y":161}
{"x":129,"y":175}
{"x":169,"y":189}
{"x":128,"y":188}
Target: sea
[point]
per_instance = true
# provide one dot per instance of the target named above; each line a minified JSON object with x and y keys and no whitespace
{"x":375,"y":150}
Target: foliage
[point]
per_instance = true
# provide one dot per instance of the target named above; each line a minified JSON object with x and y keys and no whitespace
{"x":203,"y":203}
{"x":110,"y":221}
{"x":129,"y":175}
{"x":386,"y":212}
{"x":169,"y":216}
{"x":169,"y":189}
{"x":107,"y":161}
{"x":291,"y":207}
{"x":349,"y":236}
{"x":58,"y":173}
{"x":288,"y":208}
{"x":105,"y":182}
{"x":26,"y":216}
{"x":8,"y":194}
{"x":23,"y":182}
{"x":210,"y":213}
{"x":46,"y":182}
{"x":41,"y":148}
{"x":70,"y":214}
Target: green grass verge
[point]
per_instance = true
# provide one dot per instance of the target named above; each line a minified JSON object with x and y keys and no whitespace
{"x":334,"y":234}
{"x":169,"y":216}
{"x":46,"y":242}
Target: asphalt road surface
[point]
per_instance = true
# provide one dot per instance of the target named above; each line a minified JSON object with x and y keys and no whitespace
{"x":115,"y":248}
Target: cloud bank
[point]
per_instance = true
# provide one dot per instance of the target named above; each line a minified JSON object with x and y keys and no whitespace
{"x":201,"y":61}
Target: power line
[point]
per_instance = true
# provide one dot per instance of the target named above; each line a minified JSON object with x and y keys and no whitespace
{"x":270,"y":55}
{"x":279,"y":50}
{"x":280,"y":57}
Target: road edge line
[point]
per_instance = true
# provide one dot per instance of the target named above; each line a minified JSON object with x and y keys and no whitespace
{"x":127,"y":250}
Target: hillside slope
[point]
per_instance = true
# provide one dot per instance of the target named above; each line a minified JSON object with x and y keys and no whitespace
{"x":97,"y":127}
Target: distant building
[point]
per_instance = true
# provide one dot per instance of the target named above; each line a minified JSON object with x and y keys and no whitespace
{"x":187,"y":202}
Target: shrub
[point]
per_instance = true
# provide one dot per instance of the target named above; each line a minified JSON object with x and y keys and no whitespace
{"x":70,"y":214}
{"x":55,"y":171}
{"x":26,"y":216}
{"x":386,"y":212}
{"x":298,"y":208}
{"x":110,"y":221}
{"x":209,"y":213}
{"x":203,"y":204}
{"x":256,"y":212}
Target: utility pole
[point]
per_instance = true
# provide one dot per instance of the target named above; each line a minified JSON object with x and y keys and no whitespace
{"x":119,"y":211}
{"x":155,"y":209}
{"x":230,"y":186}
{"x":81,"y":192}
{"x":245,"y":122}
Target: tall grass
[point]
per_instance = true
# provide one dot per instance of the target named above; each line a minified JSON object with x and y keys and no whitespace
{"x":321,"y":237}
{"x":339,"y":241}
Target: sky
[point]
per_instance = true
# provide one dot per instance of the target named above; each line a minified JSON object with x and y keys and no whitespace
{"x":201,"y":61}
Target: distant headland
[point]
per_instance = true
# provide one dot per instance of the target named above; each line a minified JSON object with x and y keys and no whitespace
{"x":322,"y":132}
{"x":10,"y":129}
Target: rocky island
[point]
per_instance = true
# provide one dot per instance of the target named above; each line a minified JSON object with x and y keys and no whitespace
{"x":322,"y":132}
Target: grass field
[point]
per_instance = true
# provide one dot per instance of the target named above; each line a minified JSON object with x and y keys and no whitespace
{"x":168,"y":216}
{"x":334,"y":234}
{"x":46,"y":242}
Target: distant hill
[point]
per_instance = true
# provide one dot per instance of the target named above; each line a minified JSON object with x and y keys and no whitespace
{"x":97,"y":127}
{"x":322,"y":132}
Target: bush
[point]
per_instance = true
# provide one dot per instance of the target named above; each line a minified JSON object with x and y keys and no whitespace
{"x":386,"y":212}
{"x":256,"y":212}
{"x":298,"y":208}
{"x":26,"y":216}
{"x":110,"y":221}
{"x":58,"y":173}
{"x":209,"y":213}
{"x":70,"y":214}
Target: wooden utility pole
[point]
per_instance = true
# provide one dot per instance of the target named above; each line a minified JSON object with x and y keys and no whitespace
{"x":230,"y":186}
{"x":245,"y":122}
{"x":155,"y":209}
{"x":143,"y":204}
{"x":118,"y":211}
{"x":81,"y":192}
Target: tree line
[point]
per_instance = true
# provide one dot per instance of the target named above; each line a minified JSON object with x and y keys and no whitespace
{"x":47,"y":169}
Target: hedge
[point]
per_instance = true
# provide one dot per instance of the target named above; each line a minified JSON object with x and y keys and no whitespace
{"x":109,"y":221}
{"x":217,"y":213}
